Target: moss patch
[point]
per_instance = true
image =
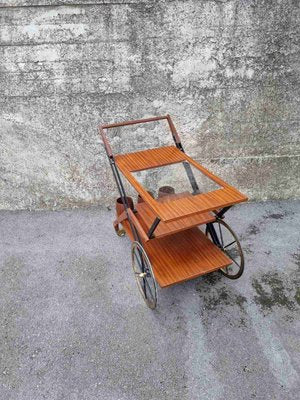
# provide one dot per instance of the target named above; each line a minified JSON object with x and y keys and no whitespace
{"x":271,"y":291}
{"x":220,"y":297}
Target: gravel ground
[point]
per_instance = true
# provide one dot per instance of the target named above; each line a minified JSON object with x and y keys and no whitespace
{"x":73,"y":324}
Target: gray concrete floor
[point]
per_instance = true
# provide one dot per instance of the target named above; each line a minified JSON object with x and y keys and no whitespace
{"x":73,"y":325}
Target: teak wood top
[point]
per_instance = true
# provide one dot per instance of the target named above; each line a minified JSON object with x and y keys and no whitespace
{"x":147,"y":159}
{"x":180,"y":207}
{"x":147,"y":216}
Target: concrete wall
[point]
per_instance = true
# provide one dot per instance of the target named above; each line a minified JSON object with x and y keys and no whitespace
{"x":227,"y":71}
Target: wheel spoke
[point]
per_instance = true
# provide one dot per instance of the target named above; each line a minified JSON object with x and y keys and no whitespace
{"x":149,"y":289}
{"x":222,"y":242}
{"x":144,"y":274}
{"x":232,"y":259}
{"x":142,"y":260}
{"x":144,"y":279}
{"x":141,"y":265}
{"x":144,"y":284}
{"x":138,"y":261}
{"x":225,"y":247}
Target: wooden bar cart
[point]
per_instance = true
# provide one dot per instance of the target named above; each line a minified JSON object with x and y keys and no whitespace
{"x":168,"y":245}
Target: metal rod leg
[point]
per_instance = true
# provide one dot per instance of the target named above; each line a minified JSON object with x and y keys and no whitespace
{"x":191,"y":177}
{"x":153,"y":227}
{"x":123,"y":198}
{"x":213,"y":234}
{"x":223,"y":211}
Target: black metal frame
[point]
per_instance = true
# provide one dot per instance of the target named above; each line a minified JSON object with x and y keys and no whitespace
{"x":188,"y":171}
{"x":153,"y":227}
{"x":211,"y":228}
{"x":123,"y":196}
{"x":221,"y":213}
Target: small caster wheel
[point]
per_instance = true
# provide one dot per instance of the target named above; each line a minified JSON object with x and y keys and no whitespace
{"x":121,"y":232}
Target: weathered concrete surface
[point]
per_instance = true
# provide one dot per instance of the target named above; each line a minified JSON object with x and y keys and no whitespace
{"x":227,"y":71}
{"x":73,"y":324}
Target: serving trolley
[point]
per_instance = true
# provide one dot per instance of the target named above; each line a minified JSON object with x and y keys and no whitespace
{"x":179,"y":232}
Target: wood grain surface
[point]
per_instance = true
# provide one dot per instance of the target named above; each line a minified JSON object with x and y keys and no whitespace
{"x":166,"y":228}
{"x":151,"y":158}
{"x":179,"y":207}
{"x":183,"y":256}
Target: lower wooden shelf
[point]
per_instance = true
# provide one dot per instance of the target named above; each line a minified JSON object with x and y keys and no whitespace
{"x":182,"y":256}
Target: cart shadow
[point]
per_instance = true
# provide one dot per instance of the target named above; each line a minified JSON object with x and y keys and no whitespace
{"x":209,"y":298}
{"x":209,"y":295}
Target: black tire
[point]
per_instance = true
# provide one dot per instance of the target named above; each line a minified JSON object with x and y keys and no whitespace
{"x":143,"y":274}
{"x":230,"y":245}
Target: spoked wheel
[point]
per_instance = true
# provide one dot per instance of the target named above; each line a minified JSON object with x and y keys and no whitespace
{"x":229,"y":243}
{"x":143,"y":274}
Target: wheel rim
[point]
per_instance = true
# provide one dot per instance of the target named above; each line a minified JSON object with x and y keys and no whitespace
{"x":231,"y":246}
{"x":143,"y":274}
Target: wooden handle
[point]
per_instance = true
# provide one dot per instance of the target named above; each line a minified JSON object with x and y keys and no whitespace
{"x":173,"y":129}
{"x":133,"y":122}
{"x":105,"y":142}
